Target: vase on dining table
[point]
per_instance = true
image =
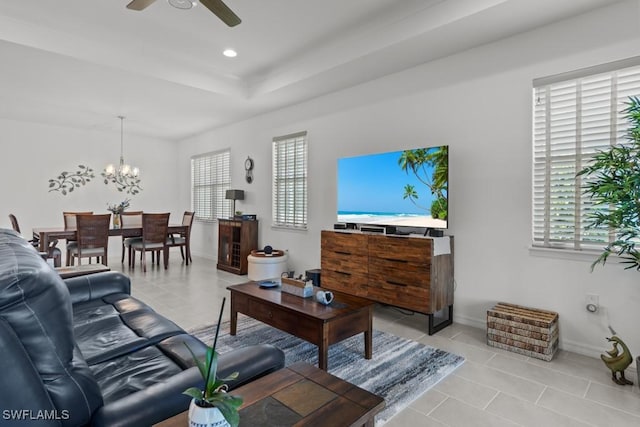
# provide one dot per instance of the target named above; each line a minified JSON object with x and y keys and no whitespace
{"x":116,"y":220}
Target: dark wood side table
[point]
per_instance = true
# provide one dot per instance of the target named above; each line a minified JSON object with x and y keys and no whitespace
{"x":301,"y":395}
{"x":322,"y":325}
{"x":81,"y":270}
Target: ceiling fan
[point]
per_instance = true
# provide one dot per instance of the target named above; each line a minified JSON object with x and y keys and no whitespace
{"x":218,"y":7}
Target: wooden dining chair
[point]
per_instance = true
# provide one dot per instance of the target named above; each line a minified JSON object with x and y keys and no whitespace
{"x":51,"y":252}
{"x":70,"y":219}
{"x":183,"y":239}
{"x":93,"y":237}
{"x":154,"y":239}
{"x":71,"y":224}
{"x":131,"y":226}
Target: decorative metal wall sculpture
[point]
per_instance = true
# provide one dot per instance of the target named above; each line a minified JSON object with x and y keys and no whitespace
{"x":66,"y":182}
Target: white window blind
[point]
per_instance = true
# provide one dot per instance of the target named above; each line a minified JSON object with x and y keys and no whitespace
{"x":210,"y":179}
{"x":575,"y":115}
{"x":290,"y":181}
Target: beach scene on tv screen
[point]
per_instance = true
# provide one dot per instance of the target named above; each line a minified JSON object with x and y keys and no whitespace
{"x":403,"y":188}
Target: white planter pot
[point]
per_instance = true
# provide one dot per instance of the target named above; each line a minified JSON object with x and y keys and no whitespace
{"x":205,"y":417}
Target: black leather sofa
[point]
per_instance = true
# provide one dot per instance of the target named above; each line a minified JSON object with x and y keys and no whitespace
{"x":85,"y":352}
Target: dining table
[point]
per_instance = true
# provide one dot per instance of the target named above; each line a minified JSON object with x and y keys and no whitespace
{"x":47,"y":234}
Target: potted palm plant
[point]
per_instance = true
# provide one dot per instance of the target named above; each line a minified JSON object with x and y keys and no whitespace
{"x":612,"y":180}
{"x":213,"y":406}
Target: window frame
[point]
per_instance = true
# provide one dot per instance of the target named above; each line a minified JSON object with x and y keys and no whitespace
{"x":290,"y":171}
{"x":216,"y":169}
{"x":571,"y":145}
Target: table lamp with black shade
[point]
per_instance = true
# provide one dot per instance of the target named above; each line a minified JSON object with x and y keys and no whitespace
{"x":234,"y":195}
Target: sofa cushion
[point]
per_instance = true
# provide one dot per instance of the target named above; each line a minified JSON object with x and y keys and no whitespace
{"x":92,"y":311}
{"x":107,"y":338}
{"x":110,"y":305}
{"x":117,"y":324}
{"x":133,"y":372}
{"x":175,"y":347}
{"x":151,"y":325}
{"x":124,"y":303}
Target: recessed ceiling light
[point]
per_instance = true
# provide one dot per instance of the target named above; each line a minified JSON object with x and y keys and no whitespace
{"x":183,"y":4}
{"x":230,"y":53}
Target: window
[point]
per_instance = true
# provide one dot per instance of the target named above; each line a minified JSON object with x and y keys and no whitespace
{"x":290,"y":181}
{"x":575,"y":115}
{"x":210,"y":179}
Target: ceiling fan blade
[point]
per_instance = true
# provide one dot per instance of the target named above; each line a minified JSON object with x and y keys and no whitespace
{"x":139,"y":4}
{"x":222,"y":11}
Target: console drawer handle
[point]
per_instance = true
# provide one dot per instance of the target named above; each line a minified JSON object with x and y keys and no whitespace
{"x":404,"y":261}
{"x":391,"y":282}
{"x":343,"y":273}
{"x":343,"y":253}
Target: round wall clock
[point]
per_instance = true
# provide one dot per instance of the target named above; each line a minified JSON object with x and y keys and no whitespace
{"x":248,"y":167}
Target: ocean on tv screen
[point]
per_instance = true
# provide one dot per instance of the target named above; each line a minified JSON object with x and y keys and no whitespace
{"x":398,"y":219}
{"x":407,"y":188}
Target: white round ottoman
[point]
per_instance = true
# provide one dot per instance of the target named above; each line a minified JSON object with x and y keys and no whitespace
{"x":263,"y":266}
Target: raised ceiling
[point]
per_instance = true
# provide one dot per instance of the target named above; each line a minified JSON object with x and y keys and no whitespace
{"x":81,"y":63}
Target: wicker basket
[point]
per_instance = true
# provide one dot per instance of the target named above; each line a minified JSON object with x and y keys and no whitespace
{"x":523,"y":330}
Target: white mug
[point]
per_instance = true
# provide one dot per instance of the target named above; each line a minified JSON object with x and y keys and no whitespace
{"x":324,"y":297}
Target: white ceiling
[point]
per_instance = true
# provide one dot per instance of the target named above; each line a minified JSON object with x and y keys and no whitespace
{"x":81,"y":63}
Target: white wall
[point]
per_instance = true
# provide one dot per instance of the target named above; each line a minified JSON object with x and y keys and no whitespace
{"x":34,"y":153}
{"x":479,"y":103}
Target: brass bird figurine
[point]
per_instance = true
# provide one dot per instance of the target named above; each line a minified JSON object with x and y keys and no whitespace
{"x":617,"y":361}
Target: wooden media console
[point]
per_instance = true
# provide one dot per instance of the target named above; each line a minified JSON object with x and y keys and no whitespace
{"x":403,"y":271}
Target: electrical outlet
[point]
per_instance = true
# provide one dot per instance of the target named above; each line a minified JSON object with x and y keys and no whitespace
{"x":592,"y":303}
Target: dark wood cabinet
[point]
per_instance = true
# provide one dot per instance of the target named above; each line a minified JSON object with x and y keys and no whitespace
{"x":397,"y":270}
{"x":236,"y":240}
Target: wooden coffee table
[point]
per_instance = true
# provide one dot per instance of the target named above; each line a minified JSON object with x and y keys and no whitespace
{"x":301,"y":395}
{"x":348,"y":315}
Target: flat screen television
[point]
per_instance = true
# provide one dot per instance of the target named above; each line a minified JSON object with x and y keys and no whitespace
{"x":406,"y":188}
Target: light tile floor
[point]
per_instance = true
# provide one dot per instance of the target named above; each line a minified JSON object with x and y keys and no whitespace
{"x":492,"y":388}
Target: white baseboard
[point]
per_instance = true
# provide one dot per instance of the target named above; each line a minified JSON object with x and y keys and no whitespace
{"x":469,"y":321}
{"x":204,"y":255}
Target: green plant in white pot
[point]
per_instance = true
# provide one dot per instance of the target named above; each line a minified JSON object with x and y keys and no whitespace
{"x":213,"y":406}
{"x":613,"y":183}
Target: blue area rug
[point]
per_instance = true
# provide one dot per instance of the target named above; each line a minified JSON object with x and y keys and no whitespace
{"x":400,"y":370}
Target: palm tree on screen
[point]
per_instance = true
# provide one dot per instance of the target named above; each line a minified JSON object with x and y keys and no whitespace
{"x":419,"y":162}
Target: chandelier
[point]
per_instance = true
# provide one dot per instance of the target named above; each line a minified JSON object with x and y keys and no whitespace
{"x":124,"y":177}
